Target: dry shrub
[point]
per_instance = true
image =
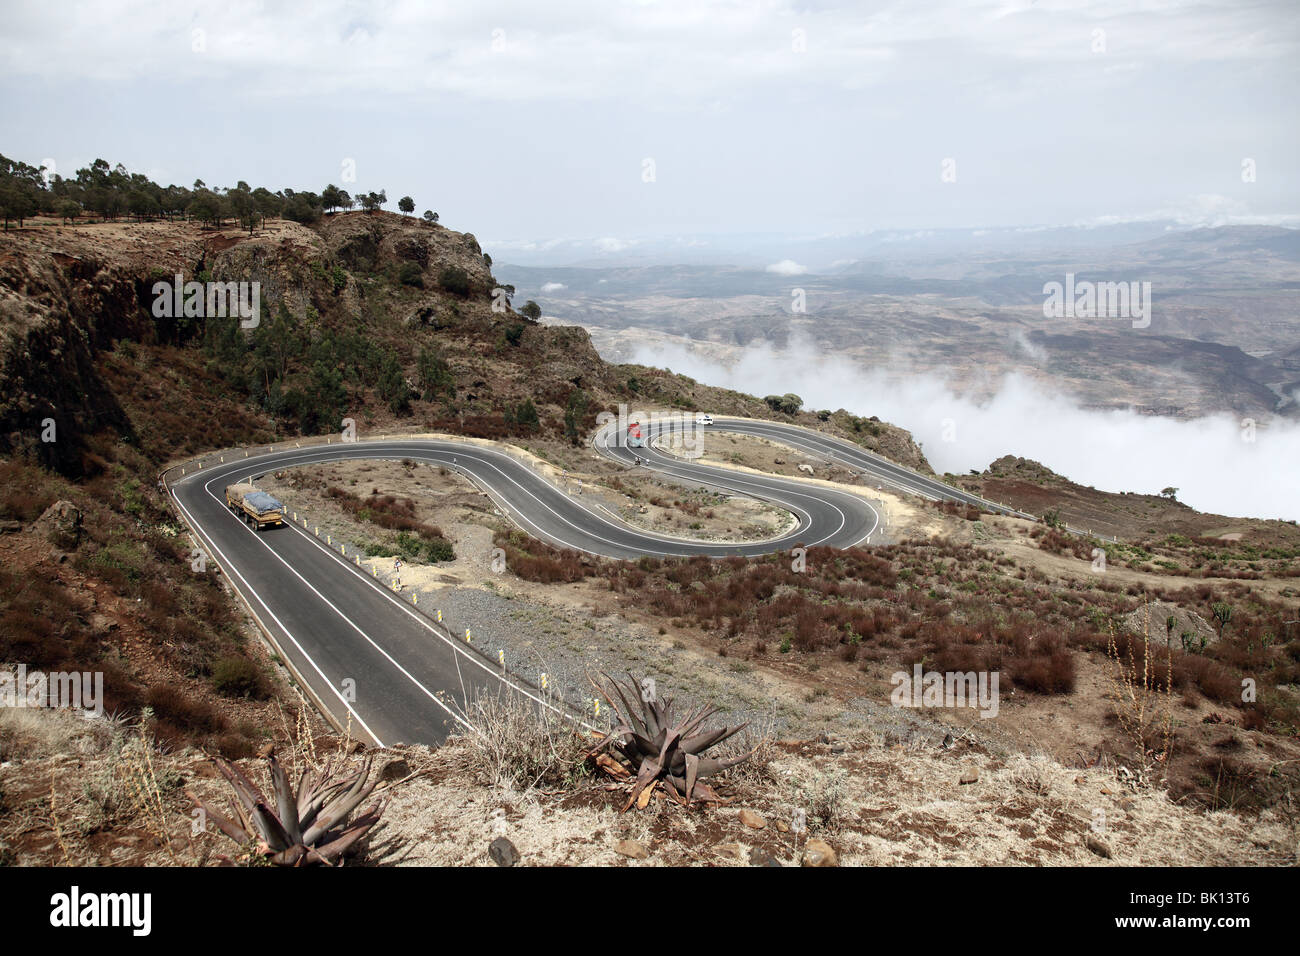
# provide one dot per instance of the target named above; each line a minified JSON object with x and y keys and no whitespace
{"x":476,"y":426}
{"x":535,"y":560}
{"x":1035,"y":661}
{"x":24,"y":492}
{"x":521,"y":745}
{"x":1208,"y":676}
{"x":387,"y":511}
{"x":822,"y":794}
{"x":758,"y":740}
{"x":173,"y":706}
{"x":1064,"y":543}
{"x":1143,"y":694}
{"x":1051,"y":671}
{"x":236,"y":676}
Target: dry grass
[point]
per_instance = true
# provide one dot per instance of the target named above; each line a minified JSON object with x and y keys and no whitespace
{"x":521,"y":746}
{"x":877,"y":804}
{"x":28,"y":733}
{"x":104,"y":774}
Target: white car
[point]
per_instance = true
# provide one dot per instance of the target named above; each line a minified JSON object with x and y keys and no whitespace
{"x":704,"y":419}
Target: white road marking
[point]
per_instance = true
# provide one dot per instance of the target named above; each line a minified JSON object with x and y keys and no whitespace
{"x":230,"y":567}
{"x":402,"y":450}
{"x":330,"y":604}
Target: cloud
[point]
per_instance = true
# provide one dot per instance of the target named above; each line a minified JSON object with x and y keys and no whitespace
{"x":498,"y":50}
{"x":1020,"y":344}
{"x":554,"y":287}
{"x":690,"y":83}
{"x":1201,"y":210}
{"x":506,"y":246}
{"x":787,"y":267}
{"x":1209,"y":460}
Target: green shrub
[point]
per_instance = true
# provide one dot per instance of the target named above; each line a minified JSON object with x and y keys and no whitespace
{"x":238,"y":677}
{"x":409,"y":274}
{"x":789,"y":403}
{"x":439,"y":549}
{"x":338,"y":279}
{"x":454,"y":280}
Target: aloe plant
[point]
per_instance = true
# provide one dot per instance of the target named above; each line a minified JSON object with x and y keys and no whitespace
{"x":662,"y":749}
{"x":310,"y":826}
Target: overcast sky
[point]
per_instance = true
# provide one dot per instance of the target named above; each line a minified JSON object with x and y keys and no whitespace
{"x":530,"y":121}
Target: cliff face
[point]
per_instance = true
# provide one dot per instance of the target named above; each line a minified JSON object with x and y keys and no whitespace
{"x":125,"y":389}
{"x":54,"y":307}
{"x":355,"y":293}
{"x":68,"y":294}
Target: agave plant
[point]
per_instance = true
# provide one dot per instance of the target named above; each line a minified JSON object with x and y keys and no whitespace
{"x":660,"y":748}
{"x":309,"y":827}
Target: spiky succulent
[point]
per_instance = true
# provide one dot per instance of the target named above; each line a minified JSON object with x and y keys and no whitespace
{"x":660,"y":748}
{"x":308,"y":827}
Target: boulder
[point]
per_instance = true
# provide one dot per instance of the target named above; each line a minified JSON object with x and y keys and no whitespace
{"x":631,"y":849}
{"x":503,"y":852}
{"x":752,"y":820}
{"x":818,"y":853}
{"x":60,"y":524}
{"x":1168,"y":624}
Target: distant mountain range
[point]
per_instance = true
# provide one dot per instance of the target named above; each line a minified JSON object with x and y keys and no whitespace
{"x":1224,"y":332}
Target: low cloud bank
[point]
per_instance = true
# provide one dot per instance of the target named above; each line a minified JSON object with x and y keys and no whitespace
{"x":1209,"y":460}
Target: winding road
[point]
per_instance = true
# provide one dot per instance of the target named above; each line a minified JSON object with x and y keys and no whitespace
{"x":372,"y":661}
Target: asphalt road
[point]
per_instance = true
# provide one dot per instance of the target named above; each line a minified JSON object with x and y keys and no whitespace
{"x":881,"y":472}
{"x":372,"y":661}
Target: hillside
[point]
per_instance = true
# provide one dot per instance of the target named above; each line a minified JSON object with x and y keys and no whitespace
{"x":378,"y":317}
{"x":387,"y":316}
{"x":1149,"y":521}
{"x":902,"y":799}
{"x":390,"y":321}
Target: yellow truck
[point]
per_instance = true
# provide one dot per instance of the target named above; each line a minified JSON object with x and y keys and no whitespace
{"x":258,"y":509}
